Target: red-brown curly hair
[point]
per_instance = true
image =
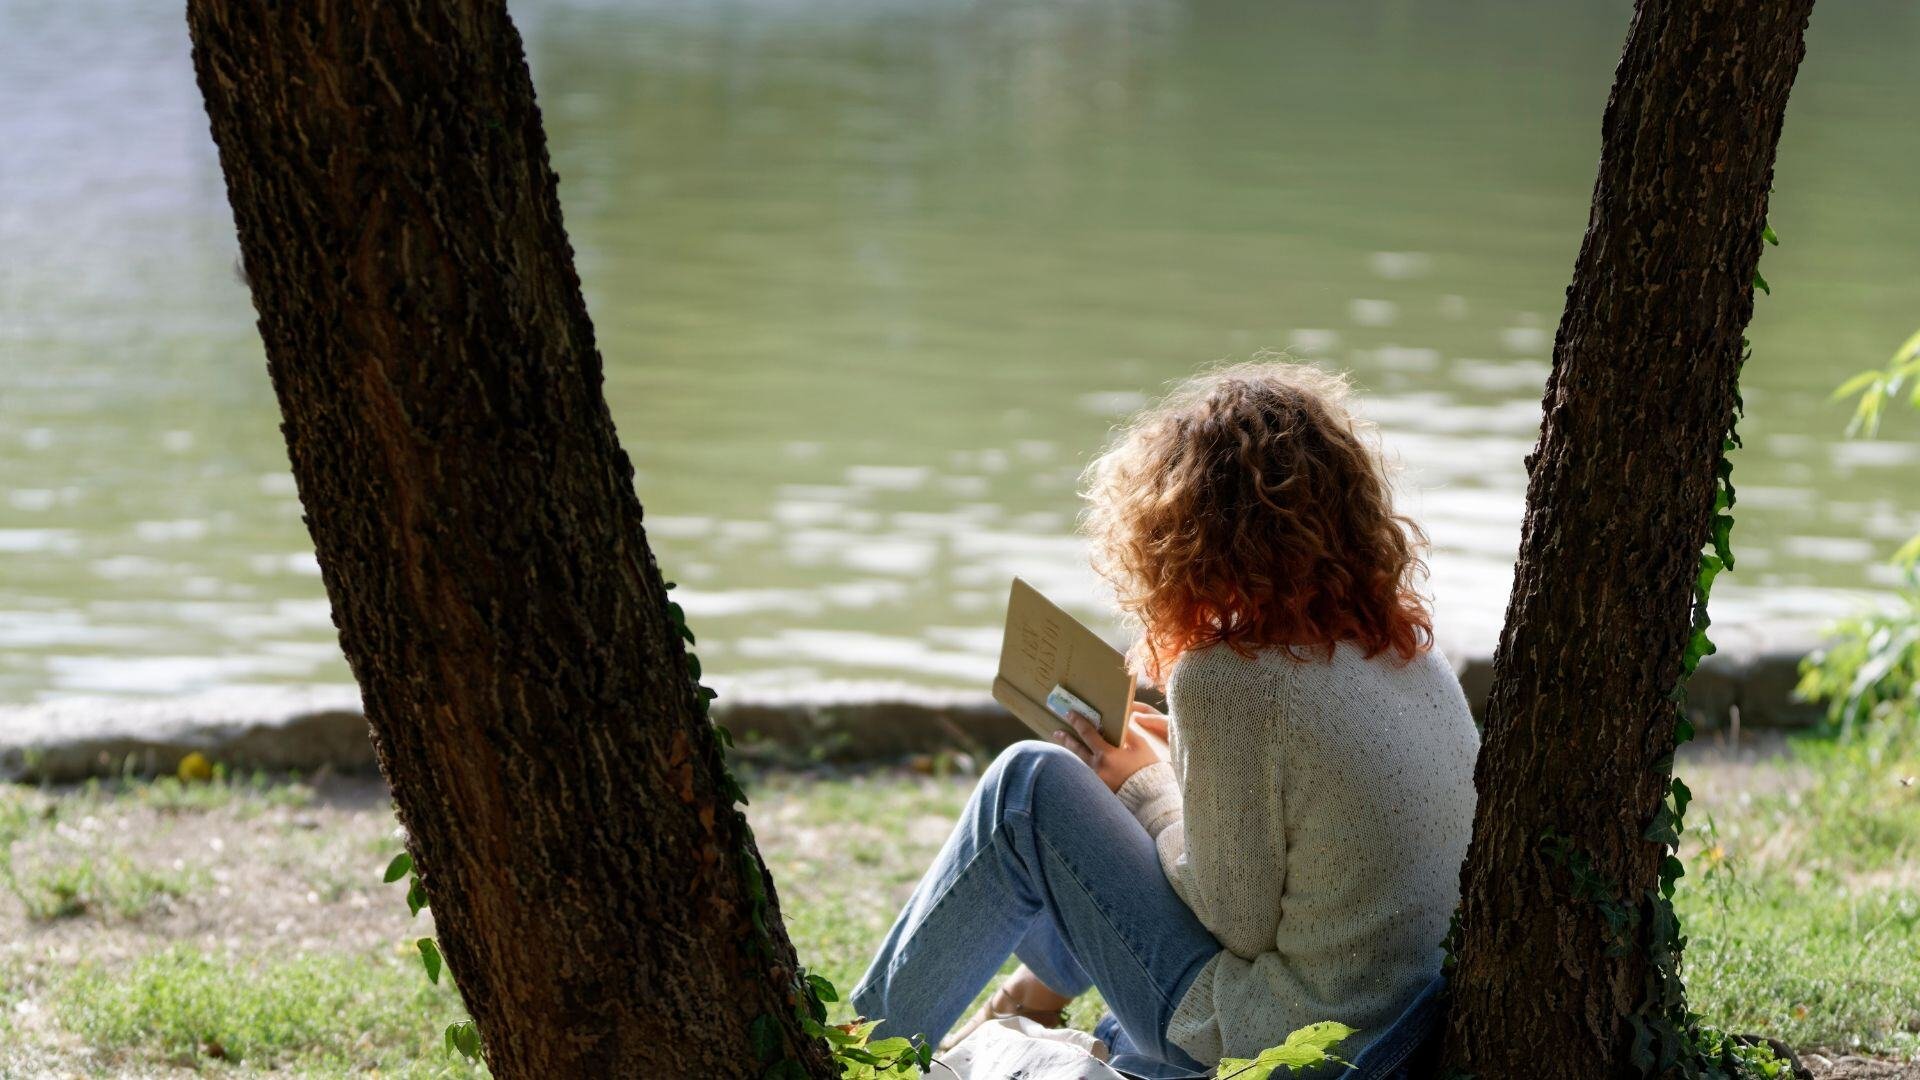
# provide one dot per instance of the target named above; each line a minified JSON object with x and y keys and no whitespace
{"x":1252,"y":509}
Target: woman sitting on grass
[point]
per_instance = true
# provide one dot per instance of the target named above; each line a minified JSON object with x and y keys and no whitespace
{"x":1284,"y":846}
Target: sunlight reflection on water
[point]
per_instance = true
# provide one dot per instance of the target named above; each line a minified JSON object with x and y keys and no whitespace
{"x":874,"y":279}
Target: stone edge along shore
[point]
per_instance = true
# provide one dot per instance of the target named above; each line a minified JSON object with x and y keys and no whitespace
{"x":282,"y":729}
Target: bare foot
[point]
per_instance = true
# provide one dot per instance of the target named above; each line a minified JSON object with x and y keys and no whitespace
{"x":1022,"y":994}
{"x":1029,"y":994}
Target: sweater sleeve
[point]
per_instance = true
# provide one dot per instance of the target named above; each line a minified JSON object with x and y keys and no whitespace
{"x":1230,"y":860}
{"x":1153,"y":796}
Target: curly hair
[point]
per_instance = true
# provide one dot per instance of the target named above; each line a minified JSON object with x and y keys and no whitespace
{"x":1252,"y":509}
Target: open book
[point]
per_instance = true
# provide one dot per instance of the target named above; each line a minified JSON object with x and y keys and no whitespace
{"x":1051,"y":663}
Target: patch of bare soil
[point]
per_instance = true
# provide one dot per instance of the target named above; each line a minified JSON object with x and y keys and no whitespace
{"x":303,"y":875}
{"x":1849,"y":1067}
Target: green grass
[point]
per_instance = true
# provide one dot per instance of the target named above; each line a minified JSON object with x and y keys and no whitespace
{"x":328,"y":1014}
{"x":1820,"y":967}
{"x":1802,"y":905}
{"x":112,"y":887}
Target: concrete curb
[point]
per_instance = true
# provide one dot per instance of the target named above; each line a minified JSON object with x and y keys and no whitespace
{"x":309,"y":728}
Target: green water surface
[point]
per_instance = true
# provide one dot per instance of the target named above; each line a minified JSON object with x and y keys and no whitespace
{"x":874,"y":278}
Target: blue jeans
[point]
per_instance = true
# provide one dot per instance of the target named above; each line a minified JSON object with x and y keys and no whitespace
{"x":1046,"y":865}
{"x":1407,"y":1048}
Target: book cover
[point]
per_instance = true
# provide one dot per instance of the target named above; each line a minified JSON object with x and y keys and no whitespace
{"x":1046,"y":648}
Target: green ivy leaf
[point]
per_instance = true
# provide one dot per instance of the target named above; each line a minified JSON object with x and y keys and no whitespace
{"x":1760,"y":283}
{"x":1671,"y":871}
{"x":822,"y":989}
{"x":1710,"y":567}
{"x":764,"y":1036}
{"x":1723,"y":539}
{"x":430,"y":958}
{"x":416,"y":896}
{"x":400,"y":867}
{"x":1661,"y":830}
{"x":1771,"y":237}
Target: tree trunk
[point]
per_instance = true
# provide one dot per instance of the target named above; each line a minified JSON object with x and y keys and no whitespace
{"x":597,"y":896}
{"x":1580,"y":726}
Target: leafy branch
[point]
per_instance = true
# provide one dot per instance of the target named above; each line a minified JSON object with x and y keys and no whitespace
{"x":1304,"y":1048}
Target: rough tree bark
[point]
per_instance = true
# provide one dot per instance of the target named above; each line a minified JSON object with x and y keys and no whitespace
{"x":531,"y":704}
{"x":1580,"y":725}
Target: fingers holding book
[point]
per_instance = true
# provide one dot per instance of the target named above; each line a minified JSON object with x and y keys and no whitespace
{"x":1113,"y":764}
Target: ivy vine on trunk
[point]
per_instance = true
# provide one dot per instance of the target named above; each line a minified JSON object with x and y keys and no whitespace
{"x":1567,"y":949}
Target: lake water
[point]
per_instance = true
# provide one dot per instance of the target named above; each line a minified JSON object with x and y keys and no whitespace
{"x":873,"y":278}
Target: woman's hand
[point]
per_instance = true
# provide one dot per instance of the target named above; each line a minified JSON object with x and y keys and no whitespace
{"x":1149,"y":719}
{"x":1146,"y":743}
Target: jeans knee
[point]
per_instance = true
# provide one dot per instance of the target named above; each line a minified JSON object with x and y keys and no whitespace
{"x":1024,"y":768}
{"x":1025,"y":759}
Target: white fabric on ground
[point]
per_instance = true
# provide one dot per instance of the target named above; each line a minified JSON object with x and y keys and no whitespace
{"x":1018,"y":1047}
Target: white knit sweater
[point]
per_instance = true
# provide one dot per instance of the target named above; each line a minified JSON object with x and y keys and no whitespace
{"x":1314,"y":816}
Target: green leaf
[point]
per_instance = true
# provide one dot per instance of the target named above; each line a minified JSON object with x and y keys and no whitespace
{"x":693,"y":666}
{"x":1760,"y":283}
{"x":1710,"y":567}
{"x":1310,"y":1045}
{"x":1723,"y":539}
{"x":1771,"y":237}
{"x":1908,"y":350}
{"x":416,"y":896}
{"x":1662,"y":830}
{"x":400,"y":867}
{"x":1671,"y":871}
{"x":822,"y":989}
{"x":430,"y":958}
{"x":832,"y":1034}
{"x":764,"y":1036}
{"x":1909,"y":552}
{"x":464,"y":1037}
{"x":1682,"y":795}
{"x":1856,"y":384}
